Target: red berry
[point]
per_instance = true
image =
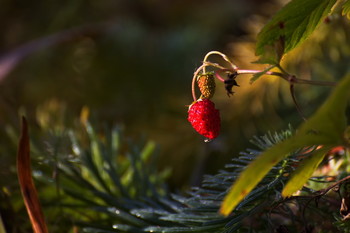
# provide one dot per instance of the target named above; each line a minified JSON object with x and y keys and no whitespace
{"x":204,"y":118}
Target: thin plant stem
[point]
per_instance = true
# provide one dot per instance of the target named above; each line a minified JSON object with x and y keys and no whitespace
{"x":289,"y":78}
{"x":233,"y":66}
{"x":194,"y":79}
{"x":311,"y":82}
{"x":319,"y":194}
{"x":283,"y":74}
{"x":218,"y":76}
{"x":281,"y":69}
{"x":297,"y":106}
{"x":202,"y":68}
{"x":215,"y":65}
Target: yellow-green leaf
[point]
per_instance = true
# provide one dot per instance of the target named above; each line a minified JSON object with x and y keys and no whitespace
{"x":346,"y":9}
{"x":305,"y":170}
{"x":325,"y":127}
{"x":293,"y":24}
{"x":329,"y":122}
{"x":256,"y":170}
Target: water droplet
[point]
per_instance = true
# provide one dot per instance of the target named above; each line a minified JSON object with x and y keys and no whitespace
{"x":207,"y":140}
{"x":111,"y":209}
{"x":37,"y":173}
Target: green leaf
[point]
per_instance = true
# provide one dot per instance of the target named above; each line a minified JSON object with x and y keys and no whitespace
{"x":346,"y":9}
{"x":255,"y":171}
{"x":305,"y":170}
{"x":325,"y":127}
{"x":2,"y":226}
{"x":258,"y":75}
{"x":293,"y":24}
{"x":269,"y":57}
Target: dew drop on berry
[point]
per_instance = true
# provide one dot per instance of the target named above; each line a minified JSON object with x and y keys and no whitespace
{"x":207,"y":140}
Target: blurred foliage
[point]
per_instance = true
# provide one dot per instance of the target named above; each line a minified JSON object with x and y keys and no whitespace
{"x":292,"y":26}
{"x":105,"y":185}
{"x":137,"y":75}
{"x":326,"y":128}
{"x":132,"y":74}
{"x":73,"y":165}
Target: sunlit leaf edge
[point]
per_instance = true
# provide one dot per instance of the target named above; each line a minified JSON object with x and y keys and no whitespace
{"x":346,"y":9}
{"x":305,"y":170}
{"x":294,"y":23}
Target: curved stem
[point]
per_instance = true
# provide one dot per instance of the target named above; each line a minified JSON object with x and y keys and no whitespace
{"x":233,"y":66}
{"x":193,"y":90}
{"x":311,"y":82}
{"x":215,"y":65}
{"x":202,"y":68}
{"x":218,"y":76}
{"x":297,"y":106}
{"x":289,"y":78}
{"x":194,"y":79}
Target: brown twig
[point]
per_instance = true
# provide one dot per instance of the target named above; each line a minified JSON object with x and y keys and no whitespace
{"x":326,"y":190}
{"x":293,"y":79}
{"x":292,"y":93}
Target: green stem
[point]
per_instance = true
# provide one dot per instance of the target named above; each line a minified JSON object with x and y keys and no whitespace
{"x":290,"y":78}
{"x":297,"y":106}
{"x":311,"y":82}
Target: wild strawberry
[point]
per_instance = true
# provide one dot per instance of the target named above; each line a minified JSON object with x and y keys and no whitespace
{"x":204,"y":118}
{"x":206,"y":84}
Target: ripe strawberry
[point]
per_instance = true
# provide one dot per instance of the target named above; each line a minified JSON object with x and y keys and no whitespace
{"x":206,"y":84}
{"x":204,"y":118}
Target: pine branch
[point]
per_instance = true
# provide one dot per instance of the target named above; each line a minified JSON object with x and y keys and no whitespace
{"x":115,"y":179}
